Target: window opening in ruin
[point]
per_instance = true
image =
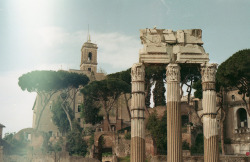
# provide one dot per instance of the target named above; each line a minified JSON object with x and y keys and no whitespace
{"x":233,"y":98}
{"x":78,"y":108}
{"x":196,"y":105}
{"x":89,"y":69}
{"x":184,"y":120}
{"x":50,"y":107}
{"x":242,"y":118}
{"x":113,"y":128}
{"x":29,"y":136}
{"x":90,"y":56}
{"x":79,"y":120}
{"x":50,"y":133}
{"x":107,"y":151}
{"x":184,"y":123}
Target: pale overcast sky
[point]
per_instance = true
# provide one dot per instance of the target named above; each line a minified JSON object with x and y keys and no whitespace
{"x":48,"y":34}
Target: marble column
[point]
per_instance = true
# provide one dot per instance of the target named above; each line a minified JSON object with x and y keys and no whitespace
{"x":137,"y":113}
{"x":174,"y":135}
{"x":210,"y":129}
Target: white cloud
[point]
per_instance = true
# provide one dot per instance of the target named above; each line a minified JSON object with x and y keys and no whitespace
{"x":52,"y":37}
{"x":118,"y":50}
{"x":114,"y":49}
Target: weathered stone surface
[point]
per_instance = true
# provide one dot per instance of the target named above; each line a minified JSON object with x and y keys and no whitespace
{"x":208,"y":72}
{"x":166,"y":46}
{"x":180,"y":36}
{"x":210,"y":124}
{"x":193,"y":36}
{"x":137,"y":113}
{"x":169,"y":36}
{"x":174,"y":137}
{"x":137,"y":149}
{"x":211,"y":149}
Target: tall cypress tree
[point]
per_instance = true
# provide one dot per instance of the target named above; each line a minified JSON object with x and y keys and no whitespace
{"x":159,"y":90}
{"x":159,"y":93}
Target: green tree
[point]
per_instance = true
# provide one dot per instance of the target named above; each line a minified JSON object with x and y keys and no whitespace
{"x":59,"y":116}
{"x":47,"y":83}
{"x":198,"y":147}
{"x":158,"y":130}
{"x":56,"y":148}
{"x":75,"y":143}
{"x":13,"y":145}
{"x":155,"y":74}
{"x":235,"y":73}
{"x":105,"y":93}
{"x":198,"y":89}
{"x":190,"y":74}
{"x":122,"y":75}
{"x":159,"y":93}
{"x":90,"y":111}
{"x":126,"y":77}
{"x":158,"y":75}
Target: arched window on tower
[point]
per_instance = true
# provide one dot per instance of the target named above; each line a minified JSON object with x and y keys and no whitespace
{"x":242,"y":118}
{"x":89,"y":56}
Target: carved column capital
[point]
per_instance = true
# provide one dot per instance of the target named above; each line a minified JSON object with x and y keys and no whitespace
{"x":173,"y":73}
{"x":208,"y":72}
{"x":138,"y":72}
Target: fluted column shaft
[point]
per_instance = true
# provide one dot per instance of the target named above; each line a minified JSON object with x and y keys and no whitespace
{"x":174,"y":136}
{"x":137,"y":113}
{"x":210,"y":129}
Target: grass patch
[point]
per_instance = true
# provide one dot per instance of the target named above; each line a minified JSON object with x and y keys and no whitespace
{"x":124,"y":159}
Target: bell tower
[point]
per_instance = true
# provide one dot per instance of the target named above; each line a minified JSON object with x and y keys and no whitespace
{"x":89,"y":56}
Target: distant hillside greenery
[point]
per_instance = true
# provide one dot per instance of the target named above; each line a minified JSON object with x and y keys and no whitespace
{"x":14,"y":146}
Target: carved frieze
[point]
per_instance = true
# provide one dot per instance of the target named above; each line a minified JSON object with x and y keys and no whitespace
{"x":208,"y":72}
{"x":138,"y":72}
{"x":173,"y":73}
{"x":150,"y":37}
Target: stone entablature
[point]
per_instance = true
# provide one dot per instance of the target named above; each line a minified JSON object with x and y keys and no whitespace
{"x":165,"y":46}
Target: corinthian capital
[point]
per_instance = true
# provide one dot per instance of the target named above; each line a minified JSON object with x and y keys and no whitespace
{"x":208,"y":72}
{"x":173,"y":73}
{"x":138,"y":72}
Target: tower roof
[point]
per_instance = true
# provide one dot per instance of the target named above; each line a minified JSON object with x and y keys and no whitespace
{"x":1,"y":125}
{"x":89,"y":45}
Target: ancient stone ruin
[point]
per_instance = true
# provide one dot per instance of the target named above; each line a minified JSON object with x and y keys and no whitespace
{"x":175,"y":49}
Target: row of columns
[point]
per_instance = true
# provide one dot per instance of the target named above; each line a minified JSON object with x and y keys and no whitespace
{"x":174,"y":135}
